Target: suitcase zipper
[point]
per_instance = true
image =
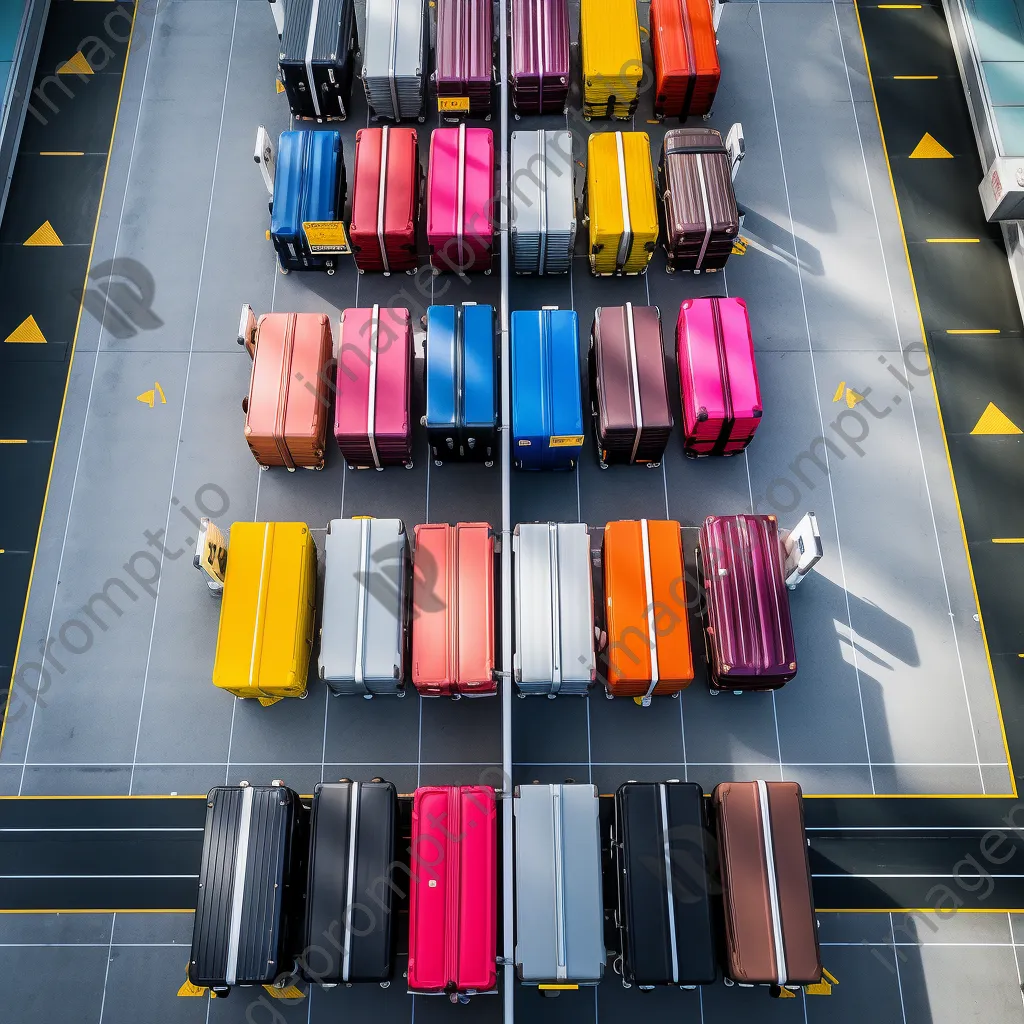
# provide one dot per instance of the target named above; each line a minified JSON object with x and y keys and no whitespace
{"x":707,"y":211}
{"x":350,"y":885}
{"x":381,"y":192}
{"x":729,"y":419}
{"x":561,"y":971}
{"x":652,"y":624}
{"x":631,"y":335}
{"x":663,"y":791}
{"x":371,"y":399}
{"x":556,"y":610}
{"x":393,"y":58}
{"x":256,"y":630}
{"x":773,"y":887}
{"x":238,"y":887}
{"x":280,"y":441}
{"x":313,"y":18}
{"x":460,"y":214}
{"x":626,"y":241}
{"x":364,"y":570}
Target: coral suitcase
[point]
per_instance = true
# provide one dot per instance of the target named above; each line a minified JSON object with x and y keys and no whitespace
{"x":629,"y":385}
{"x":748,"y":627}
{"x":453,"y":903}
{"x":465,"y":61}
{"x":646,"y":610}
{"x":453,"y":609}
{"x":612,"y":62}
{"x":621,"y":205}
{"x":666,"y":882}
{"x":351,"y":851}
{"x":701,"y":218}
{"x":372,"y":415}
{"x":559,"y":907}
{"x":770,"y":928}
{"x":686,"y":67}
{"x":385,"y":200}
{"x":266,"y":613}
{"x":460,"y":187}
{"x":395,"y":53}
{"x":547,"y":411}
{"x":540,"y":56}
{"x":462,"y":400}
{"x":316,"y":57}
{"x":554,"y":609}
{"x":543,"y":202}
{"x":717,"y":376}
{"x":247,"y":928}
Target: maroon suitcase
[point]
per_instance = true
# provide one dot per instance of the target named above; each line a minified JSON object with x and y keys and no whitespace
{"x":465,"y":62}
{"x":540,"y":56}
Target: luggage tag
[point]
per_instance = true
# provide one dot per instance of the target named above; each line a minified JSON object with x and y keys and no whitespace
{"x":211,"y":555}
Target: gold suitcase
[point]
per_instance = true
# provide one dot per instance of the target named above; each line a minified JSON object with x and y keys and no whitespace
{"x":612,"y":64}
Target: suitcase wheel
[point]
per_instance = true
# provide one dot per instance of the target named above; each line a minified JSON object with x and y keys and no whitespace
{"x":402,"y":692}
{"x":330,"y":271}
{"x":456,"y":696}
{"x":490,"y":462}
{"x":438,"y":462}
{"x":283,"y":270}
{"x":552,"y":696}
{"x":422,"y":118}
{"x":739,"y":693}
{"x":603,"y":465}
{"x":609,"y":695}
{"x":713,"y":692}
{"x":367,"y":696}
{"x":408,"y":465}
{"x":654,"y":465}
{"x":385,"y":984}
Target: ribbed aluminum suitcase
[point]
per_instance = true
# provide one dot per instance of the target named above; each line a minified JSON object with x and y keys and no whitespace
{"x":559,"y":905}
{"x":395,"y":55}
{"x":543,"y":202}
{"x":465,"y":61}
{"x":612,"y":60}
{"x":316,"y":57}
{"x":686,"y":67}
{"x":539,"y":71}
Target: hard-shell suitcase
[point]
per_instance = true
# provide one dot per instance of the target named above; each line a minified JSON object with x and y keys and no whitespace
{"x":748,"y":626}
{"x":612,"y":61}
{"x":316,"y":57}
{"x":539,"y":72}
{"x":770,"y":928}
{"x":453,"y":609}
{"x":666,"y":881}
{"x":718,"y":384}
{"x":365,"y":614}
{"x":286,"y":411}
{"x":248,"y":923}
{"x":543,"y":202}
{"x":686,"y":67}
{"x":266,"y":614}
{"x":559,"y":908}
{"x":460,"y":187}
{"x":646,"y":609}
{"x":621,"y":205}
{"x":701,"y":218}
{"x":629,"y":385}
{"x":395,"y":53}
{"x":554,"y":609}
{"x":453,"y":902}
{"x":351,"y":850}
{"x":547,"y":409}
{"x":385,"y":200}
{"x":465,"y":62}
{"x":372,"y":413}
{"x":462,"y":383}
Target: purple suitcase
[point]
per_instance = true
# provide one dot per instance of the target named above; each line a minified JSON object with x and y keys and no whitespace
{"x":540,"y":56}
{"x":465,"y":66}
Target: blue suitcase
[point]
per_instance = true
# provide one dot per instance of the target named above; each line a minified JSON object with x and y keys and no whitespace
{"x":309,"y":185}
{"x":462,"y":402}
{"x":547,"y":410}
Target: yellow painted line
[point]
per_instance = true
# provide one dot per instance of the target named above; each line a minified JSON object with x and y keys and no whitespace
{"x":965,"y":241}
{"x":55,"y":152}
{"x":899,"y":7}
{"x":976,"y":330}
{"x":11,"y":440}
{"x":1008,"y":540}
{"x":915,"y":78}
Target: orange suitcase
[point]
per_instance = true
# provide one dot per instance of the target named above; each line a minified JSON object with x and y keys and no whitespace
{"x":686,"y":66}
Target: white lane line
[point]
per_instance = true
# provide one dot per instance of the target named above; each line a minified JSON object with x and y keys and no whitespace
{"x":106,"y":970}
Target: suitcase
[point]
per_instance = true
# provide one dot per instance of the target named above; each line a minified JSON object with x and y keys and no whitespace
{"x":395,"y":54}
{"x":461,"y":383}
{"x":748,"y":627}
{"x":365,"y":613}
{"x":666,"y":878}
{"x":372,"y":414}
{"x":629,"y":385}
{"x":266,"y":613}
{"x":315,"y":63}
{"x":453,"y":902}
{"x":285,"y":413}
{"x":453,"y":610}
{"x":547,"y":410}
{"x":770,"y":929}
{"x":701,"y":218}
{"x":646,"y":607}
{"x":385,"y":200}
{"x":247,"y":928}
{"x":686,"y":67}
{"x":543,"y":202}
{"x":718,"y":384}
{"x":460,"y":190}
{"x":559,"y":907}
{"x":465,"y":63}
{"x":554,"y":609}
{"x":539,"y":72}
{"x":621,"y":206}
{"x":612,"y":61}
{"x":348,"y":933}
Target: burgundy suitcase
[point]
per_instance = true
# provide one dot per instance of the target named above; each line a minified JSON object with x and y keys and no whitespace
{"x":465,"y":64}
{"x":540,"y":56}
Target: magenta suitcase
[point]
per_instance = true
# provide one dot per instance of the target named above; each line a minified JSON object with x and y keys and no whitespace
{"x":717,"y":377}
{"x":460,"y":190}
{"x":465,"y":61}
{"x":540,"y":56}
{"x":372,"y":417}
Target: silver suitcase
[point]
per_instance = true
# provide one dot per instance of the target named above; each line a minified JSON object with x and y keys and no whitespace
{"x":554,"y":616}
{"x":559,"y":906}
{"x":366,"y":596}
{"x":543,"y":202}
{"x":395,"y":59}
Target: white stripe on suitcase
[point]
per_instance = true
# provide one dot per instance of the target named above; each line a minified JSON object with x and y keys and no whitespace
{"x":364,"y":565}
{"x":663,"y":791}
{"x":460,"y":215}
{"x":371,"y":398}
{"x":556,"y":610}
{"x":313,"y":18}
{"x":631,"y":333}
{"x":652,"y":623}
{"x":259,"y":602}
{"x":393,"y":60}
{"x":238,"y":887}
{"x":561,"y":965}
{"x":626,"y":241}
{"x":773,"y":887}
{"x":353,"y":824}
{"x":707,"y":210}
{"x":381,"y":187}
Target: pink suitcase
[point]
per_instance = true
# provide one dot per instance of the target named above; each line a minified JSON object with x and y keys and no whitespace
{"x":717,"y":377}
{"x":453,"y":905}
{"x":460,"y":193}
{"x":372,"y":418}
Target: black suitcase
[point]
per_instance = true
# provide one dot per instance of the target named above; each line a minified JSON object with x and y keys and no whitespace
{"x":665,"y":884}
{"x":248,"y":924}
{"x":316,"y":59}
{"x":348,"y":936}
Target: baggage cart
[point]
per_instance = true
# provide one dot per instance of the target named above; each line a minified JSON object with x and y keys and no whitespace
{"x":395,"y":55}
{"x":465,"y":57}
{"x":542,"y":178}
{"x":539,"y":72}
{"x":315,"y":62}
{"x":612,"y":61}
{"x":686,"y":66}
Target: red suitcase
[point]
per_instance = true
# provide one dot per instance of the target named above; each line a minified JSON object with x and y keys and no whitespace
{"x":453,"y":905}
{"x":686,"y":67}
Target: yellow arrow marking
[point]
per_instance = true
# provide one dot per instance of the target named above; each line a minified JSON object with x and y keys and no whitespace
{"x":852,"y":398}
{"x":839,"y":391}
{"x":739,"y":247}
{"x":930,"y":148}
{"x":786,"y":994}
{"x":149,"y":397}
{"x":26,"y":333}
{"x":285,"y":993}
{"x":44,"y":235}
{"x":188,"y":989}
{"x":78,"y":65}
{"x":994,"y":421}
{"x":280,"y":85}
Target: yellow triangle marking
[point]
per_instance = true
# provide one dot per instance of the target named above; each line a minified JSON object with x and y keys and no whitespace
{"x":930,"y":149}
{"x":147,"y":398}
{"x":78,"y":65}
{"x":188,"y":989}
{"x":786,"y":994}
{"x":291,"y":992}
{"x":852,"y":398}
{"x":995,"y":421}
{"x":44,"y":235}
{"x":839,"y":391}
{"x":26,"y":333}
{"x":280,"y":85}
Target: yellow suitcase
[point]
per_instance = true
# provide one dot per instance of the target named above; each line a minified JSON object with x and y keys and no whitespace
{"x":266,"y":616}
{"x":612,"y":63}
{"x":622,"y":206}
